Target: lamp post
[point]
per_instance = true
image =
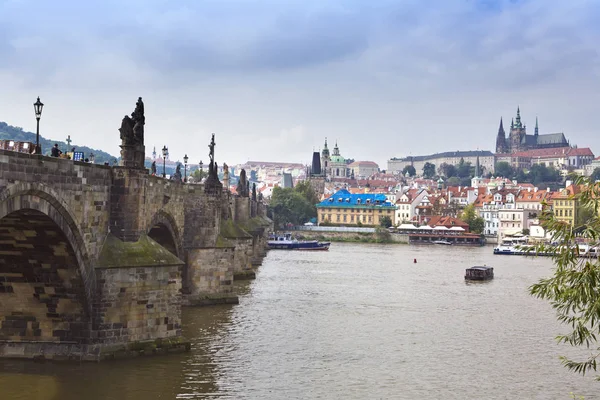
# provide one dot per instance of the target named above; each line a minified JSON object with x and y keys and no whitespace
{"x":165,"y":152}
{"x":37,"y":107}
{"x":185,"y":160}
{"x":201,"y":170}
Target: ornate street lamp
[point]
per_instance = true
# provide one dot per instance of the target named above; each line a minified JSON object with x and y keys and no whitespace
{"x":37,"y":107}
{"x":185,"y":160}
{"x":165,"y":153}
{"x":201,"y":170}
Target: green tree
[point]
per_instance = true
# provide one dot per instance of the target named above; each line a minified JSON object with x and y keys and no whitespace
{"x":463,"y":169}
{"x":307,"y":191}
{"x":595,"y":175}
{"x":469,"y":216}
{"x":504,"y":170}
{"x":385,"y":221}
{"x":198,"y":174}
{"x":448,"y":170}
{"x":410,"y":170}
{"x":572,"y":290}
{"x":428,"y":170}
{"x":293,"y":205}
{"x":540,"y":174}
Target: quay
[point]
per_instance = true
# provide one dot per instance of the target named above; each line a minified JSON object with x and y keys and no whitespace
{"x":97,"y":261}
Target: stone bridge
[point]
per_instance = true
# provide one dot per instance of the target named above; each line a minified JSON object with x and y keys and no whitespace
{"x":97,"y":261}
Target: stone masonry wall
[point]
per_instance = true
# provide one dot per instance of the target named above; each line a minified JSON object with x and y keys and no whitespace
{"x":74,"y":194}
{"x":210,"y":271}
{"x":137,"y":304}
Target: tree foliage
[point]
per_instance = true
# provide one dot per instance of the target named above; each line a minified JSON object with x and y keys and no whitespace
{"x":428,"y":170}
{"x":448,"y":170}
{"x":573,"y":289}
{"x":463,"y":169}
{"x":504,"y":170}
{"x":293,"y":205}
{"x":385,"y":221}
{"x":539,"y":174}
{"x":469,"y":216}
{"x":410,"y":170}
{"x":595,"y":175}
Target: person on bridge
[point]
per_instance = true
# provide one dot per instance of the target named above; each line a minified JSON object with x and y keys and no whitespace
{"x":56,"y":151}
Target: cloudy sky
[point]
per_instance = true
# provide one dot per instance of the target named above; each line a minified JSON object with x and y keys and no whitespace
{"x":273,"y":78}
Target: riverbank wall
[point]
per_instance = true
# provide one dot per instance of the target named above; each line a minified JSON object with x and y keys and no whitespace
{"x":357,"y":237}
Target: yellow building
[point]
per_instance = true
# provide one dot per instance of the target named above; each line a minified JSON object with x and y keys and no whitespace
{"x":565,"y":204}
{"x":345,"y":208}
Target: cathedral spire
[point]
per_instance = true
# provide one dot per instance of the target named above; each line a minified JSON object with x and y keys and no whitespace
{"x":512,"y":123}
{"x":518,"y":123}
{"x":501,"y":139}
{"x":477,"y":167}
{"x":537,"y":130}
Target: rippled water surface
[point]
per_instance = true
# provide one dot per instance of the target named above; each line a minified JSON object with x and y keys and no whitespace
{"x":357,"y":322}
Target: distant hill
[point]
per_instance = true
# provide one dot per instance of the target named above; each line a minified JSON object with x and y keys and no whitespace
{"x":16,"y":133}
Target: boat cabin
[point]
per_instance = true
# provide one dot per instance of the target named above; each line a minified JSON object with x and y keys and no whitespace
{"x":479,"y":273}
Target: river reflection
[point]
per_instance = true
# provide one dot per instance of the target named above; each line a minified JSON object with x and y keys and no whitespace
{"x":358,"y":322}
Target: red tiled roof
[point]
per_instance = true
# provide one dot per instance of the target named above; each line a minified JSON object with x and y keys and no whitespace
{"x":555,"y":152}
{"x":448,"y":222}
{"x":532,"y":196}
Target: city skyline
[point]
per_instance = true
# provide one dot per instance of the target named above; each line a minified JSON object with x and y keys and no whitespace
{"x":272,"y":80}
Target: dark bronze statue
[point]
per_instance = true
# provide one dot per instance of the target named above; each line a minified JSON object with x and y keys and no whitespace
{"x":177,"y":174}
{"x":132,"y":128}
{"x":242,"y":186}
{"x":153,"y":168}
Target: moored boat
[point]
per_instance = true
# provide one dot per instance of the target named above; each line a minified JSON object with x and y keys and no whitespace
{"x":287,"y":242}
{"x":479,"y":273}
{"x":445,"y":242}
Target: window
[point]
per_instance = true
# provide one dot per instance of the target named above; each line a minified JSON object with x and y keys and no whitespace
{"x":338,"y":218}
{"x":344,"y":217}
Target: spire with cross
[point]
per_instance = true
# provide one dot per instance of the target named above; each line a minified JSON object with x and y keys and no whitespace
{"x":68,"y":141}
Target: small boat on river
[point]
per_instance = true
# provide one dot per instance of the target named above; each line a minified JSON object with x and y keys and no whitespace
{"x":287,"y":242}
{"x":479,"y":273}
{"x":445,"y":242}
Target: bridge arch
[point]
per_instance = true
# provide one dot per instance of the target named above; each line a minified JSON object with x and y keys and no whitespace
{"x":163,"y":230}
{"x":45,"y":273}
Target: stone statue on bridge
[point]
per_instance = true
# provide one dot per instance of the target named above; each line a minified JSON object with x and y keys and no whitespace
{"x":153,"y":168}
{"x":132,"y":128}
{"x":132,"y":137}
{"x":242,"y":186}
{"x":212,"y":183}
{"x":226,"y":176}
{"x":177,"y":174}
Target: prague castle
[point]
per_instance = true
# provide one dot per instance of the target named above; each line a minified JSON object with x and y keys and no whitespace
{"x":518,"y":140}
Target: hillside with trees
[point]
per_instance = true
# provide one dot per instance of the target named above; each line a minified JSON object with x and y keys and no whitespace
{"x":8,"y":132}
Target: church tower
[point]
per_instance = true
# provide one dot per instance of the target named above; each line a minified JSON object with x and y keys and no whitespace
{"x":325,"y":167}
{"x":501,"y":146}
{"x":517,"y":134}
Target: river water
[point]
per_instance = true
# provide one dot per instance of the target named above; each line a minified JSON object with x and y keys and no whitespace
{"x":358,"y":322}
